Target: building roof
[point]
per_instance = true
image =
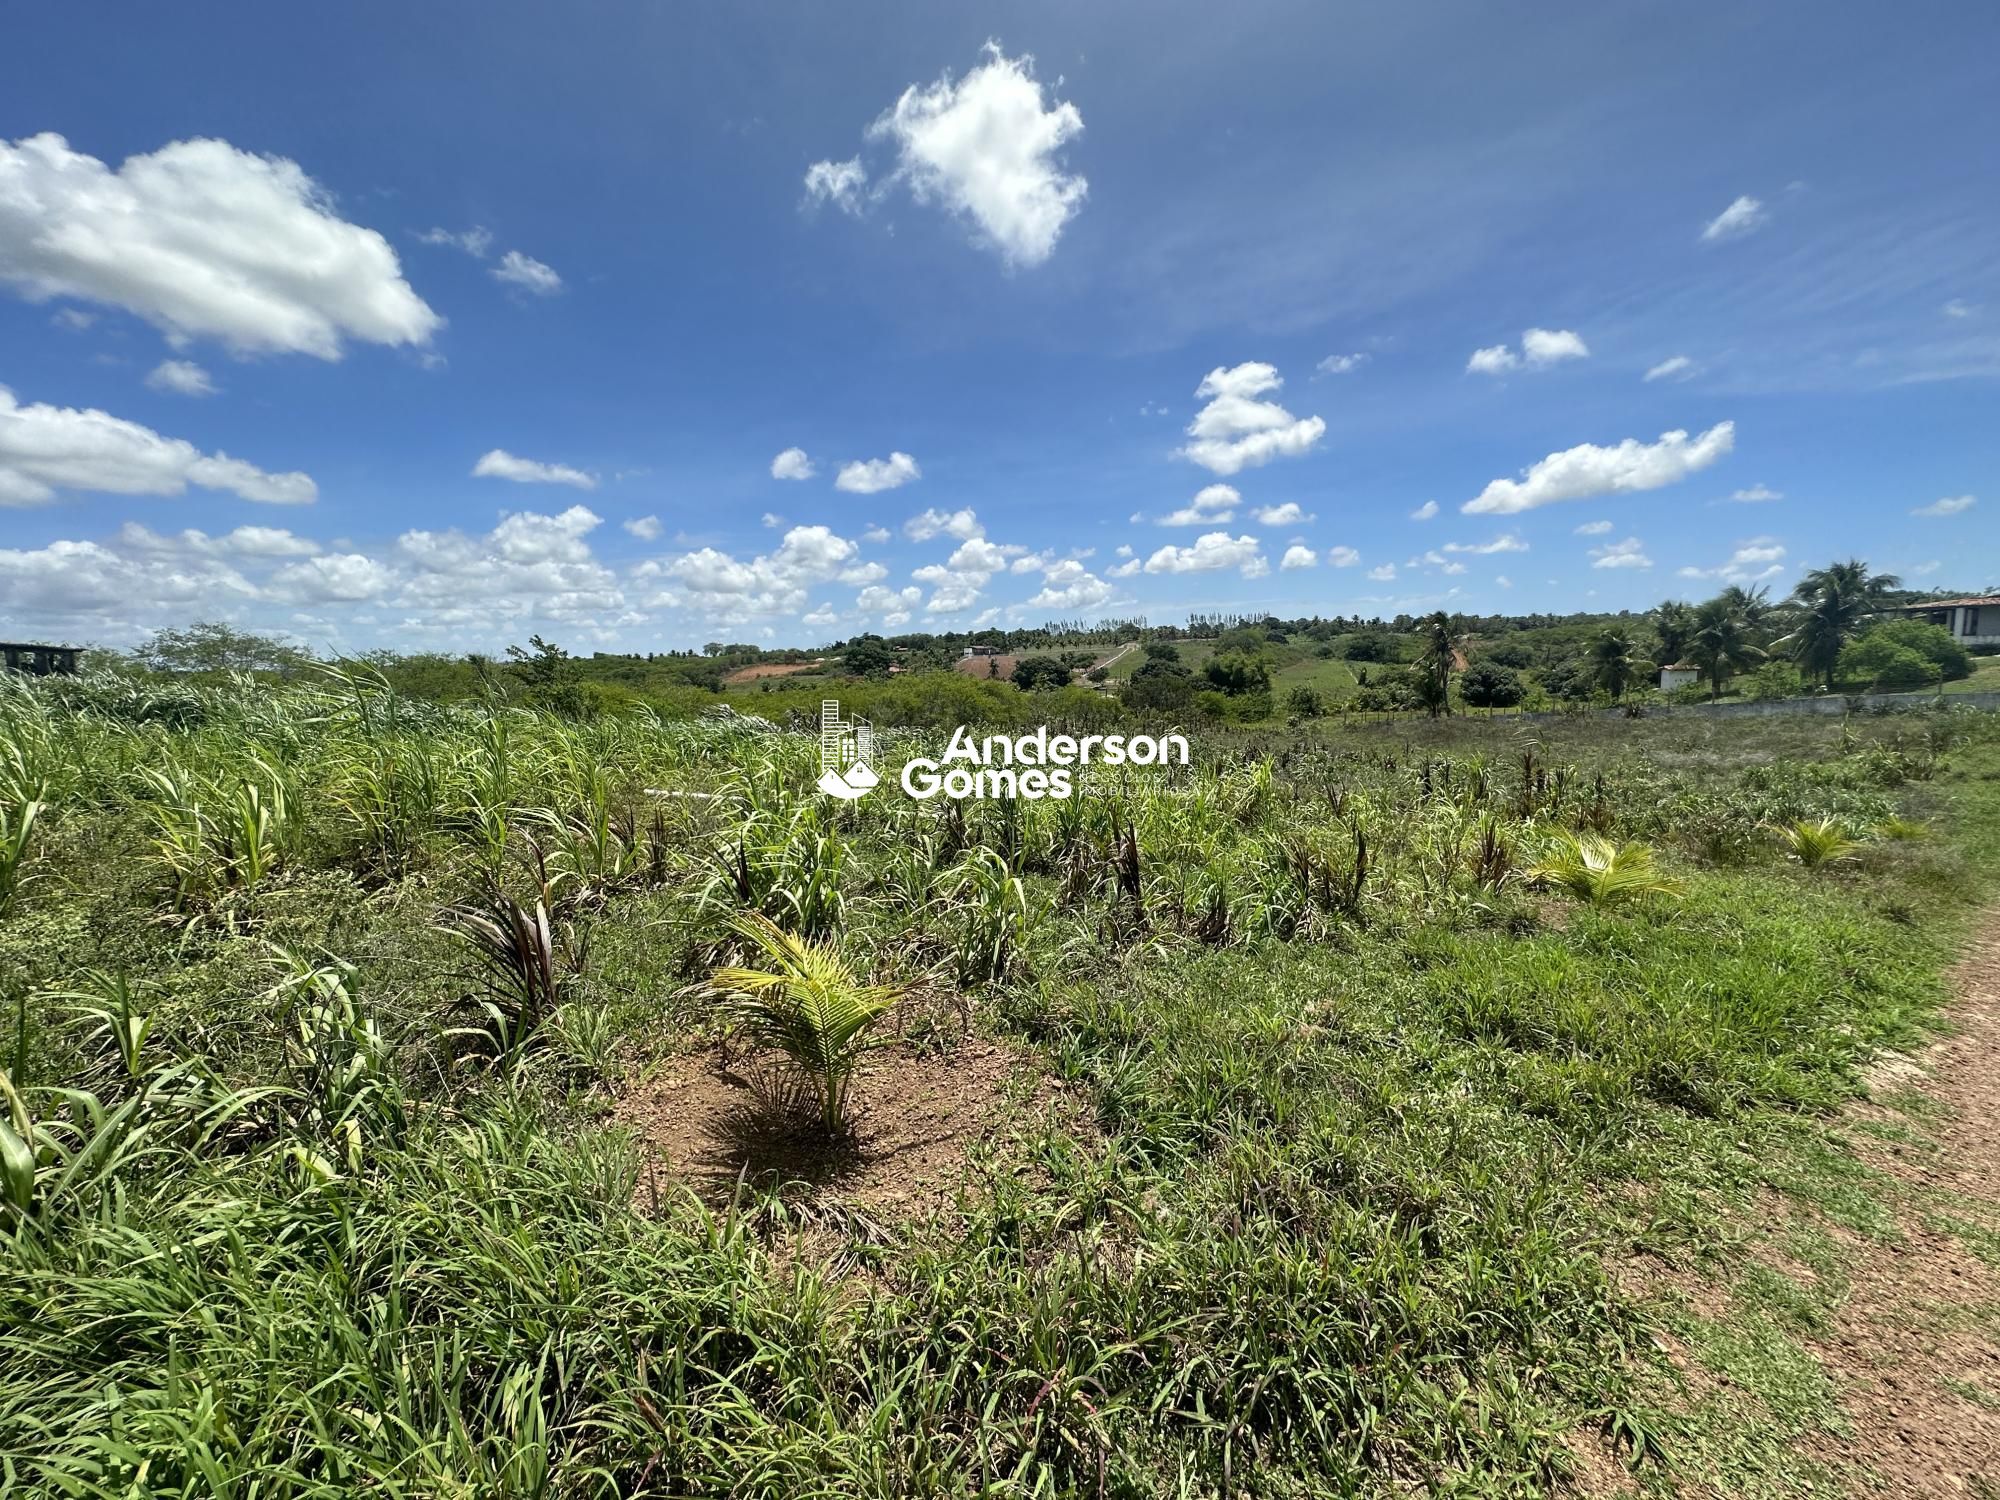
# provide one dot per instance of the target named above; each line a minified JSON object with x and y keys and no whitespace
{"x":1973,"y":602}
{"x":1681,"y":666}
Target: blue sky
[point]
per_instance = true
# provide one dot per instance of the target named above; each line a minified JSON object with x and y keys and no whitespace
{"x":434,"y":331}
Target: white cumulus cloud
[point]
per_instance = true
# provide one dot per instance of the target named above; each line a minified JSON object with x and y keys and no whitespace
{"x":645,"y":528}
{"x":1594,"y":528}
{"x":1236,"y":430}
{"x":1288,"y":514}
{"x":1425,"y":511}
{"x":1589,"y":470}
{"x":792,"y":464}
{"x":1756,"y":494}
{"x":988,"y":148}
{"x":1676,"y":367}
{"x":962,"y":524}
{"x":527,"y":274}
{"x":1343,"y":557}
{"x":872,"y":475}
{"x":1540,"y":348}
{"x":1297,"y":557}
{"x":1754,"y":561}
{"x":1211,"y":553}
{"x":1630,"y":553}
{"x":45,"y":449}
{"x":1212,"y":505}
{"x":203,"y":241}
{"x":498,"y":463}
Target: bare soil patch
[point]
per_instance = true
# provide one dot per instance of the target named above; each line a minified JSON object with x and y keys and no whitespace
{"x":1912,"y":1348}
{"x":709,"y":1118}
{"x":764,"y":669}
{"x":999,"y":668}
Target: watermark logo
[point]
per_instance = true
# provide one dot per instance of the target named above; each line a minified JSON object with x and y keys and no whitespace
{"x":846,"y":746}
{"x":1030,"y":766}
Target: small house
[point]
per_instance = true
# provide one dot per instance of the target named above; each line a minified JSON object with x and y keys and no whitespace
{"x":1678,"y":674}
{"x":1972,"y":622}
{"x":39,"y":661}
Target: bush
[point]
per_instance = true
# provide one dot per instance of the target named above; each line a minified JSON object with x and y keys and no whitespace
{"x":1880,"y":664}
{"x":1368,"y":645}
{"x":1304,"y":702}
{"x":1932,"y":642}
{"x":1035,"y":673}
{"x":1488,"y":684}
{"x":1772,"y":681}
{"x":1237,"y":674}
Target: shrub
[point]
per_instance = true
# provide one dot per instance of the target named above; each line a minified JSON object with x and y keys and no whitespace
{"x":1488,"y":684}
{"x":1886,"y":667}
{"x":1932,"y":642}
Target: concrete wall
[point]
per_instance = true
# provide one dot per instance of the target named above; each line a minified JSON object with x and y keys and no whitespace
{"x":1832,"y":703}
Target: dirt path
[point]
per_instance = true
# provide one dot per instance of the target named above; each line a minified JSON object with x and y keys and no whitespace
{"x":1913,"y":1347}
{"x":1115,"y":657}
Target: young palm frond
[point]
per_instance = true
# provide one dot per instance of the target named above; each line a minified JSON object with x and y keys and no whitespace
{"x":808,"y":1004}
{"x":17,"y":831}
{"x":1813,"y":843}
{"x":1599,"y":872}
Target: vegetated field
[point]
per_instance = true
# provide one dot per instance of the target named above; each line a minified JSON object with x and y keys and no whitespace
{"x":1985,"y":677}
{"x":367,"y":1131}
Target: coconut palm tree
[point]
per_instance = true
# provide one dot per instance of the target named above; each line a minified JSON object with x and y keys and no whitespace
{"x":1436,"y":660}
{"x":1836,"y":600}
{"x":1614,"y":662}
{"x":1673,"y":623}
{"x":1721,"y":644}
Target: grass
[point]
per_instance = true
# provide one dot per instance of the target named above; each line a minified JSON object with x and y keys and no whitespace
{"x":321,"y":1199}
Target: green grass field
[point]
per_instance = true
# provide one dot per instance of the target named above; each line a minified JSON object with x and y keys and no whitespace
{"x":325,"y":1014}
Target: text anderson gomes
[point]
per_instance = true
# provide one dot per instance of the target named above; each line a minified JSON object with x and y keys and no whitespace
{"x":1032,"y":765}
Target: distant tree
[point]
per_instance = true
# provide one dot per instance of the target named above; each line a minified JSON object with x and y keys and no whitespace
{"x":713,"y":648}
{"x":1509,"y":654}
{"x":211,"y":646}
{"x":868,"y":656}
{"x":1437,"y":658}
{"x":551,"y":676}
{"x":1038,"y":673}
{"x":1489,"y":684}
{"x":1721,"y":644}
{"x":1304,"y":702}
{"x":1098,"y":674}
{"x":1673,"y":623}
{"x":1614,"y":663}
{"x":1160,"y":687}
{"x":1162,"y":651}
{"x":1237,"y":673}
{"x":1368,"y":645}
{"x":1837,"y":600}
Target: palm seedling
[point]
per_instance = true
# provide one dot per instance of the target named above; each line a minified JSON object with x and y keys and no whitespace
{"x":1599,"y":872}
{"x":1816,"y":842}
{"x":807,"y":1003}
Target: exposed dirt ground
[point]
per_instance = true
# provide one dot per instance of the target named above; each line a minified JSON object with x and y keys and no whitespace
{"x":1912,"y":1349}
{"x":765,"y":669}
{"x":709,"y":1117}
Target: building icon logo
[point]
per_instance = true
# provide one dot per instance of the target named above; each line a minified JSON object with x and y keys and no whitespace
{"x":846,"y":746}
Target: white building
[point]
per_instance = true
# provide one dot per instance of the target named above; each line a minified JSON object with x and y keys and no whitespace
{"x":1680,"y":674}
{"x":1972,"y":622}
